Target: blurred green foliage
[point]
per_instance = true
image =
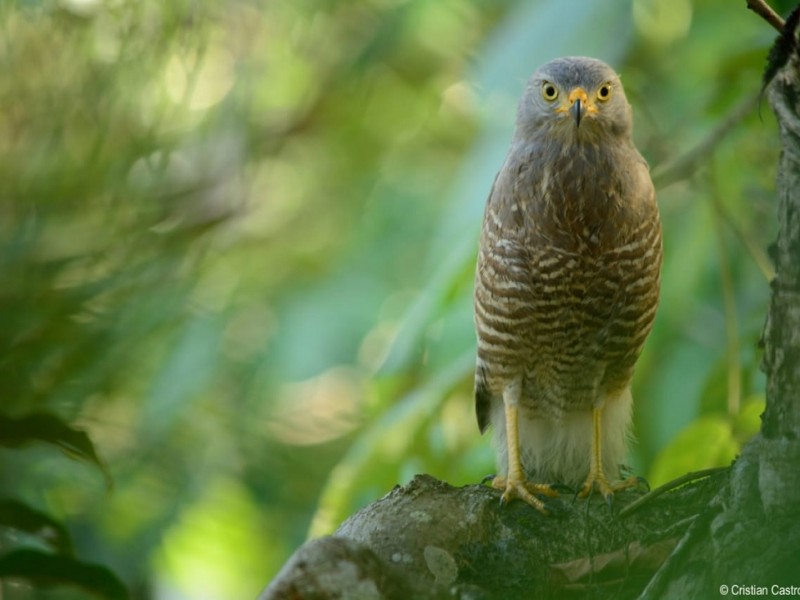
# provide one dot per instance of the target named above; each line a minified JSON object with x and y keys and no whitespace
{"x":238,"y":242}
{"x":38,"y":549}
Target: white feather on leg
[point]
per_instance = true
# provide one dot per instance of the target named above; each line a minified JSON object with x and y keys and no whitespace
{"x":559,"y":451}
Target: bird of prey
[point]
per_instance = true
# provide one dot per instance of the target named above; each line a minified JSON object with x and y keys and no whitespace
{"x":566,"y":285}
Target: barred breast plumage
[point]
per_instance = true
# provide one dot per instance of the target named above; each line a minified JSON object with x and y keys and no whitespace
{"x":567,"y":280}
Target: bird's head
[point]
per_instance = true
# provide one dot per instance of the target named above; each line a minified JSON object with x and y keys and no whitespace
{"x":574,"y":98}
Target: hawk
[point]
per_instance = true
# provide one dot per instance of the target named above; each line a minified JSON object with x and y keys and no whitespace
{"x":566,"y":285}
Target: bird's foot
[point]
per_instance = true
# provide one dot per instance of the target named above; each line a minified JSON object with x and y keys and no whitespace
{"x":487,"y":478}
{"x":631,"y":480}
{"x":598,"y":481}
{"x":519,"y":487}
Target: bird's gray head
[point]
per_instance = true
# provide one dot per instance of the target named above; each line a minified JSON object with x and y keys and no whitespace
{"x":574,"y":98}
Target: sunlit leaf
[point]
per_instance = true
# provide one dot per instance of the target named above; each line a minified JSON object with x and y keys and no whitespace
{"x":195,"y":554}
{"x":40,"y":568}
{"x":705,"y":443}
{"x":748,"y":422}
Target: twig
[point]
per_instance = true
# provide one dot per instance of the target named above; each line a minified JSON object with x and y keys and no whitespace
{"x":672,"y":530}
{"x":753,"y":249}
{"x":764,"y":10}
{"x":670,"y":485}
{"x":685,"y":165}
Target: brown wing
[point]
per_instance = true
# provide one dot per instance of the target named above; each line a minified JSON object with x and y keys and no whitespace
{"x":499,"y":297}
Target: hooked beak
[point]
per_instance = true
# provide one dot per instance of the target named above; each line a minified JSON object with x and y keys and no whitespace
{"x":578,"y":104}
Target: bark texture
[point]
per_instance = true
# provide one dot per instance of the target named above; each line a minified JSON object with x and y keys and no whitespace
{"x":748,"y":538}
{"x":736,"y":532}
{"x":782,"y":331}
{"x":429,"y":540}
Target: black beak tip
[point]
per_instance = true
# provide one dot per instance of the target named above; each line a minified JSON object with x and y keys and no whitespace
{"x":577,"y":112}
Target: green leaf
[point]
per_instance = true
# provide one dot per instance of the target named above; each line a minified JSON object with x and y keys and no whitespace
{"x":41,"y":568}
{"x":43,"y":427}
{"x":22,"y":517}
{"x":748,"y":422}
{"x":707,"y":442}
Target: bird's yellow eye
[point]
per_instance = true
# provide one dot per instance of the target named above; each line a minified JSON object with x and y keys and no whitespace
{"x":604,"y":93}
{"x":549,"y":91}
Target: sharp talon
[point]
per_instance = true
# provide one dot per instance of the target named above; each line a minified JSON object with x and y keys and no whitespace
{"x":643,"y":483}
{"x":514,"y":484}
{"x":586,"y":490}
{"x":487,"y":479}
{"x":507,"y":496}
{"x":524,"y":490}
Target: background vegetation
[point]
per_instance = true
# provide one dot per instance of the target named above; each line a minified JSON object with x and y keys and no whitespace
{"x":237,"y":244}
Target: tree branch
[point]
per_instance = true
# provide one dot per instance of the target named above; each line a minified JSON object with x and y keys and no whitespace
{"x":733,"y":540}
{"x":431,"y":541}
{"x":765,"y":11}
{"x":685,"y":165}
{"x":670,"y":485}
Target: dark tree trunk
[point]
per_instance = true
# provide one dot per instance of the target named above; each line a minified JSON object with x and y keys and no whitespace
{"x":782,"y":331}
{"x":734,"y":532}
{"x":749,"y":535}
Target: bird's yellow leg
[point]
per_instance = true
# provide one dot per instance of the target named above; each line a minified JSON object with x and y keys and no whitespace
{"x":515,"y":485}
{"x":597,"y":475}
